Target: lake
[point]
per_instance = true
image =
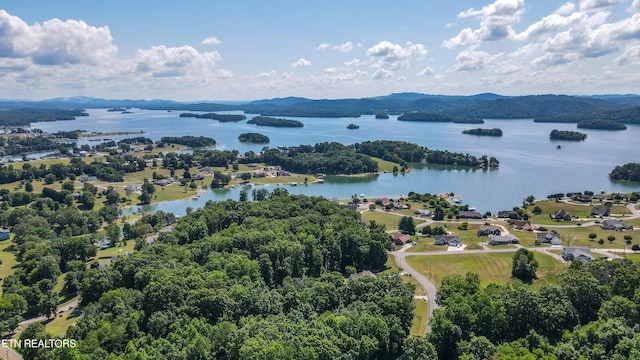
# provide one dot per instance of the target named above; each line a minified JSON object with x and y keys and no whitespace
{"x":530,"y":163}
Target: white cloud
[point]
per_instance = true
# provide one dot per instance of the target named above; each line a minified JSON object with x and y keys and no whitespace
{"x":470,"y":60}
{"x":450,"y":25}
{"x":346,"y":47}
{"x":635,"y":6}
{"x":330,"y":70}
{"x":595,"y":4}
{"x":549,"y":24}
{"x":225,"y":74}
{"x":393,"y":57}
{"x":495,"y":24}
{"x":268,"y":74}
{"x":566,"y":9}
{"x":55,"y":42}
{"x":211,"y":41}
{"x":426,"y":71}
{"x":323,"y":46}
{"x":352,"y":62}
{"x":631,"y":56}
{"x":382,"y":74}
{"x":402,"y":78}
{"x":162,"y":61}
{"x":301,"y":63}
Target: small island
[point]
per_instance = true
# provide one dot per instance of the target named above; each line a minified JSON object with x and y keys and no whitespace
{"x":214,"y":116}
{"x":382,"y":115}
{"x":117,"y":110}
{"x":275,"y":122}
{"x":353,"y":126}
{"x":438,"y":117}
{"x":601,"y":125}
{"x":626,"y":172}
{"x":190,"y":141}
{"x":254,"y":138}
{"x":483,"y":132}
{"x":567,"y":135}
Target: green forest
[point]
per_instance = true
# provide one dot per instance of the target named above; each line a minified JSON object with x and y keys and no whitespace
{"x":214,"y":116}
{"x":255,"y":138}
{"x":23,"y":117}
{"x":627,"y":172}
{"x":601,"y":125}
{"x":438,"y":117}
{"x":191,"y":141}
{"x":567,"y":135}
{"x":269,"y":121}
{"x":483,"y":132}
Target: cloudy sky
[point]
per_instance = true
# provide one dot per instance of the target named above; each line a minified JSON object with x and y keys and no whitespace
{"x":243,"y":50}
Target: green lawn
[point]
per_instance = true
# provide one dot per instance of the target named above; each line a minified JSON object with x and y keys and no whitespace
{"x":549,"y":207}
{"x":419,"y":324}
{"x":390,"y":221}
{"x":469,"y":237}
{"x":8,"y":259}
{"x":114,"y":250}
{"x":385,"y":165}
{"x":491,"y":267}
{"x":61,"y":323}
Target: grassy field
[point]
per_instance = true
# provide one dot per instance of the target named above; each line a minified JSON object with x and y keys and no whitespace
{"x":61,"y":323}
{"x":115,"y":250}
{"x":469,"y":237}
{"x":491,"y":267}
{"x":549,"y":207}
{"x":384,"y":165}
{"x":419,"y":324}
{"x":8,"y":259}
{"x":390,"y":221}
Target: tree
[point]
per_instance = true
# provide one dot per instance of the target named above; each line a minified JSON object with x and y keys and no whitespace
{"x":627,"y":239}
{"x":635,"y":247}
{"x":220,"y":180}
{"x":28,"y":187}
{"x":407,"y":225}
{"x":244,"y":195}
{"x":592,"y":236}
{"x":145,"y":198}
{"x":438,"y":215}
{"x":524,"y":266}
{"x":87,"y":200}
{"x":113,"y":233}
{"x":611,"y":238}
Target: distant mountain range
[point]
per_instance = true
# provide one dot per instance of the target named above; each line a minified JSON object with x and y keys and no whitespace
{"x":487,"y":105}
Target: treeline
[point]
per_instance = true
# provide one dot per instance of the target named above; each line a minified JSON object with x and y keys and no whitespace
{"x":269,"y":121}
{"x":319,"y":113}
{"x":241,"y":280}
{"x":624,"y":116}
{"x":601,"y":124}
{"x":190,"y":141}
{"x":591,"y":313}
{"x":139,"y":140}
{"x":626,"y":172}
{"x":214,"y":116}
{"x":12,"y":145}
{"x":253,"y":138}
{"x":403,"y":153}
{"x":483,"y":132}
{"x":23,"y":117}
{"x":438,"y":117}
{"x":567,"y":135}
{"x":323,"y":158}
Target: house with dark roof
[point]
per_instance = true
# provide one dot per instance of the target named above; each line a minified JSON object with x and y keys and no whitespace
{"x":523,"y":225}
{"x":503,"y":239}
{"x":447,"y":240}
{"x":423,"y":212}
{"x":561,"y":214}
{"x":600,"y":211}
{"x":581,"y":198}
{"x":552,"y":238}
{"x":577,"y":254}
{"x":486,"y":230}
{"x":504,"y":214}
{"x":462,"y":214}
{"x":615,"y":224}
{"x":399,"y":238}
{"x":5,"y":234}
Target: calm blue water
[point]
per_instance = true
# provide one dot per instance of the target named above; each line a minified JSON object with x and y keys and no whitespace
{"x":529,"y":161}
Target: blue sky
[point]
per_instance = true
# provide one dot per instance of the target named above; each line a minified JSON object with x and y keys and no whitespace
{"x":243,"y":50}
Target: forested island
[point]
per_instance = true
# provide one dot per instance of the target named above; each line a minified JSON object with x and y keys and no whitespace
{"x":214,"y":116}
{"x":483,"y":132}
{"x":275,"y":122}
{"x":255,"y":138}
{"x":601,"y":125}
{"x":626,"y":172}
{"x":567,"y":135}
{"x":382,"y":115}
{"x":117,"y":110}
{"x":14,"y":145}
{"x":405,"y":153}
{"x":438,"y":117}
{"x":353,"y":126}
{"x":190,"y":141}
{"x":23,"y":117}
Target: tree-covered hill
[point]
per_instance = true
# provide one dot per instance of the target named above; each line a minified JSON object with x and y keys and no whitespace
{"x":628,"y":172}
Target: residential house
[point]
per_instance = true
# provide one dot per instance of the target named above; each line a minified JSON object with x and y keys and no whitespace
{"x":581,"y":198}
{"x":600,"y":211}
{"x":399,"y":238}
{"x":469,"y":215}
{"x":486,"y":230}
{"x":5,"y":234}
{"x":523,"y":225}
{"x":552,"y":238}
{"x":561,"y":214}
{"x":504,"y":214}
{"x":601,"y":197}
{"x":131,"y":187}
{"x":423,"y":212}
{"x":259,"y":174}
{"x":198,"y":176}
{"x":503,"y":239}
{"x":365,"y":273}
{"x":447,"y":240}
{"x":615,"y":224}
{"x":579,"y":254}
{"x":350,"y":206}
